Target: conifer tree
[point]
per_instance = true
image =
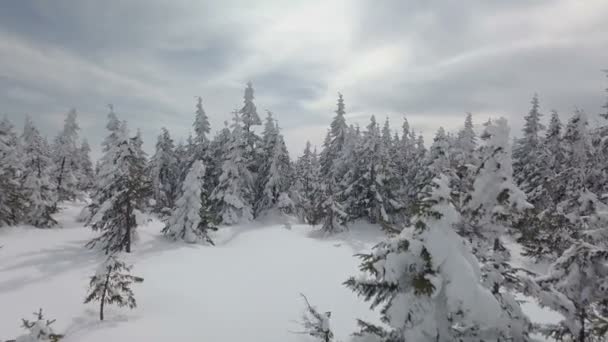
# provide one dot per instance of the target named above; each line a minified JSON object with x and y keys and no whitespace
{"x":527,"y":153}
{"x":113,"y":126}
{"x":427,"y":282}
{"x":332,"y":169}
{"x":111,"y":285}
{"x":463,"y":162}
{"x":576,"y":286}
{"x":37,"y":186}
{"x":233,"y":195}
{"x":217,"y":152}
{"x":12,"y":197}
{"x":39,"y":330}
{"x":332,"y":213}
{"x":249,"y":117}
{"x":307,"y":185}
{"x":493,"y":207}
{"x":86,"y":172}
{"x":315,"y":323}
{"x":121,"y":190}
{"x":368,"y":191}
{"x":201,"y":130}
{"x":191,"y":220}
{"x":164,"y":173}
{"x":334,"y":143}
{"x":65,"y":157}
{"x":275,"y":172}
{"x":439,"y":158}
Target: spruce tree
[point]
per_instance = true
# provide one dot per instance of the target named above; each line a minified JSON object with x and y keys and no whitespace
{"x":368,"y":192}
{"x":527,"y":154}
{"x":86,"y":172}
{"x":65,"y":158}
{"x":463,"y":162}
{"x":121,"y":190}
{"x":217,"y":152}
{"x":191,"y":220}
{"x":315,"y":323}
{"x":38,"y":189}
{"x":438,"y":157}
{"x":334,"y":143}
{"x":201,"y":130}
{"x":111,"y":285}
{"x":38,"y":330}
{"x":164,"y":173}
{"x":307,"y":185}
{"x":233,"y":195}
{"x":275,"y":172}
{"x":493,"y":207}
{"x":12,"y":197}
{"x":427,"y":282}
{"x":576,"y":287}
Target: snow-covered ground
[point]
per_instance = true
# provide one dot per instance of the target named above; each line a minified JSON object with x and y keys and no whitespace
{"x":244,"y":289}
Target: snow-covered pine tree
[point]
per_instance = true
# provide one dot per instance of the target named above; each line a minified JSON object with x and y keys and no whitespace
{"x":576,"y":286}
{"x":86,"y":172}
{"x":65,"y":158}
{"x":366,"y":195}
{"x":307,"y":185}
{"x":548,"y":229}
{"x":121,"y":190}
{"x":494,"y":206}
{"x":463,"y":160}
{"x":409,"y":163}
{"x":439,"y":157}
{"x":113,"y":126}
{"x":38,"y":189}
{"x":111,"y":284}
{"x":527,"y":156}
{"x":39,"y":330}
{"x":332,"y":163}
{"x":217,"y":153}
{"x":164,"y":173}
{"x":12,"y":197}
{"x":249,"y":119}
{"x":275,"y":172}
{"x":334,"y":143}
{"x":331,"y":212}
{"x":315,"y":323}
{"x":427,"y":281}
{"x":192,"y":220}
{"x":201,"y":131}
{"x":234,"y":193}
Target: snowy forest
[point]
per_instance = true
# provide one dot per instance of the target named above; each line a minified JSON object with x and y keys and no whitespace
{"x":450,"y":215}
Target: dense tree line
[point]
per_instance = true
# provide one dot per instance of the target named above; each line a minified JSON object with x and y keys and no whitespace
{"x":449,"y":209}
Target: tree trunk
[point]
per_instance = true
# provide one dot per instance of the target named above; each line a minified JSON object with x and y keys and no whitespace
{"x":581,"y":333}
{"x":103,"y":295}
{"x":128,"y":220}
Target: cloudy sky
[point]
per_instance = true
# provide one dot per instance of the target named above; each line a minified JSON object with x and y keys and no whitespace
{"x":428,"y":60}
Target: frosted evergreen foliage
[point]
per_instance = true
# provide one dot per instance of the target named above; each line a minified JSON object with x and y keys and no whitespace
{"x":234,"y":193}
{"x":164,"y":173}
{"x":111,"y":285}
{"x":191,"y":220}
{"x":316,"y":324}
{"x":122,"y":190}
{"x":38,"y":330}
{"x":65,"y":158}
{"x":427,"y":282}
{"x":12,"y":197}
{"x":38,"y":188}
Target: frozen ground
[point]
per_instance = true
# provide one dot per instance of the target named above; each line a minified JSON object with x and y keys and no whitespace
{"x":245,"y":289}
